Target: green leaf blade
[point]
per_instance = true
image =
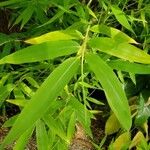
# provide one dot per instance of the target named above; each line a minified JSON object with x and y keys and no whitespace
{"x":129,"y":66}
{"x":44,"y":51}
{"x":60,"y":35}
{"x":23,"y":140}
{"x":121,"y":17}
{"x":41,"y":135}
{"x":120,"y":50}
{"x":113,"y":90}
{"x":43,"y":98}
{"x":113,"y":33}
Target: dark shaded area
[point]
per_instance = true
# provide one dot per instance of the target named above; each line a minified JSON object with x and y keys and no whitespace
{"x":4,"y":22}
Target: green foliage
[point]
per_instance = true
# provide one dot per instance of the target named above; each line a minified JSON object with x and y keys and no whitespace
{"x":113,"y":90}
{"x":77,"y":46}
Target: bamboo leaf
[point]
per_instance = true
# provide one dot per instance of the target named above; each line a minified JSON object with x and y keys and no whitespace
{"x":23,"y":140}
{"x":121,"y":50}
{"x":25,"y":16}
{"x":71,"y":126}
{"x":18,"y":102}
{"x":10,"y":121}
{"x":83,"y":114}
{"x":129,"y":66}
{"x":112,"y":125}
{"x":42,"y":99}
{"x":122,"y":141}
{"x":4,"y":92}
{"x":113,"y":33}
{"x":120,"y":16}
{"x":44,"y":51}
{"x":61,"y":35}
{"x":8,"y":2}
{"x":55,"y":126}
{"x":57,"y":15}
{"x":32,"y":81}
{"x":41,"y":135}
{"x":137,"y":139}
{"x":95,"y":101}
{"x":115,"y":95}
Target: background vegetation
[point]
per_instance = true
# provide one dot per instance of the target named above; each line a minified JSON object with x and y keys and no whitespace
{"x":75,"y":70}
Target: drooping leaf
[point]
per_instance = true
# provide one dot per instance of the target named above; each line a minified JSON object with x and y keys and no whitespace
{"x":41,"y":136}
{"x":129,"y":66}
{"x":112,"y":88}
{"x":121,"y":17}
{"x":113,"y":33}
{"x":121,"y":50}
{"x":44,"y":51}
{"x":112,"y":125}
{"x":43,"y":99}
{"x":122,"y":141}
{"x":61,"y":35}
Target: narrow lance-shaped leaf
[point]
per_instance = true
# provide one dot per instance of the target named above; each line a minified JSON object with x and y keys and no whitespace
{"x":41,"y":136}
{"x":113,"y":33}
{"x":25,"y":16}
{"x":23,"y":140}
{"x":129,"y":66}
{"x":83,"y":115}
{"x":4,"y":92}
{"x":60,"y":35}
{"x":43,"y":98}
{"x":8,"y":2}
{"x":121,"y":17}
{"x":44,"y":51}
{"x":55,"y":126}
{"x":113,"y":90}
{"x":121,"y":50}
{"x":71,"y":126}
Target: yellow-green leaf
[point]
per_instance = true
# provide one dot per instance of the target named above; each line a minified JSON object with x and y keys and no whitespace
{"x":113,"y":33}
{"x":122,"y":50}
{"x":40,"y":52}
{"x":137,"y":139}
{"x":112,"y":125}
{"x":54,"y":36}
{"x":123,"y":140}
{"x":18,"y":102}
